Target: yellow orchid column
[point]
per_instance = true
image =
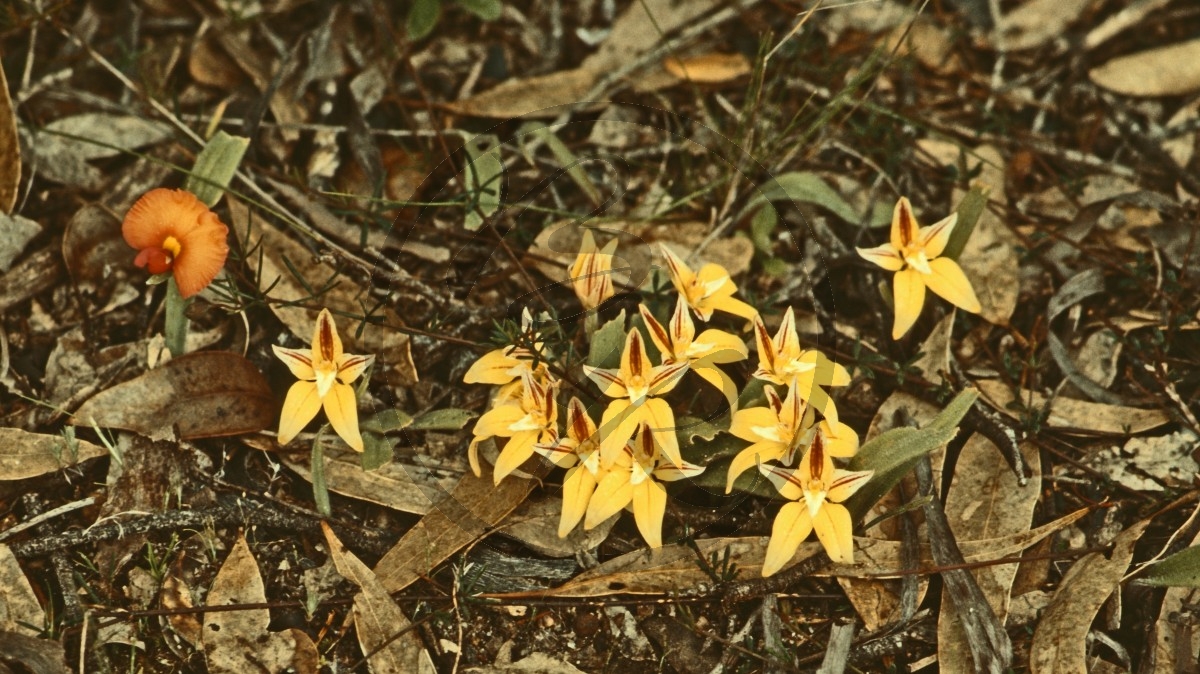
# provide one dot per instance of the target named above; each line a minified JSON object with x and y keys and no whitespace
{"x":816,"y":490}
{"x":913,"y":253}
{"x":634,"y":387}
{"x":325,"y":373}
{"x":525,"y":422}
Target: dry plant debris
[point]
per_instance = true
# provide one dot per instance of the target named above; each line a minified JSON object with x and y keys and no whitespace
{"x":672,"y":249}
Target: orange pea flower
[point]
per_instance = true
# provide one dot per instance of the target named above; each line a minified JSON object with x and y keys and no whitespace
{"x":173,"y":231}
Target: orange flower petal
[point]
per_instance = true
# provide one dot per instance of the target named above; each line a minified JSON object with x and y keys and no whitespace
{"x":199,"y":234}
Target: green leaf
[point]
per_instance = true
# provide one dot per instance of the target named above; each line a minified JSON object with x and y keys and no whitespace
{"x":488,"y":10}
{"x":378,"y":451}
{"x":750,"y":482}
{"x":969,"y":210}
{"x":422,"y":18}
{"x":1181,"y":569}
{"x":894,"y":453}
{"x":387,"y":420}
{"x":607,"y":344}
{"x":449,"y":419}
{"x":775,"y":267}
{"x":215,"y":167}
{"x":810,"y":188}
{"x":691,"y":428}
{"x":762,"y":225}
{"x":317,"y":475}
{"x":484,"y":178}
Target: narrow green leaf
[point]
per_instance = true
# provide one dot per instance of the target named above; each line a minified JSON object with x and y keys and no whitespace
{"x":317,"y":474}
{"x":423,"y":18}
{"x":387,"y":420}
{"x":762,"y":225}
{"x":1181,"y":569}
{"x":566,"y":159}
{"x":484,"y":179}
{"x":449,"y":419}
{"x":216,"y":166}
{"x":488,"y":10}
{"x":894,"y":453}
{"x":969,"y":210}
{"x":607,"y":343}
{"x":810,"y":188}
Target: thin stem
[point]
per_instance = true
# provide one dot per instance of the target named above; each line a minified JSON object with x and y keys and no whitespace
{"x":176,"y":318}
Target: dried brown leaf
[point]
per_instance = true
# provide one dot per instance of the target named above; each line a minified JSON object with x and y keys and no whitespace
{"x":985,"y":501}
{"x":10,"y":150}
{"x":377,"y":618}
{"x":467,"y":513}
{"x":710,"y":68}
{"x":1060,"y":640}
{"x":1172,"y":70}
{"x":206,"y":394}
{"x":19,"y":607}
{"x":24,"y":455}
{"x":237,"y":641}
{"x":1037,"y":22}
{"x":403,"y":487}
{"x":1075,"y":416}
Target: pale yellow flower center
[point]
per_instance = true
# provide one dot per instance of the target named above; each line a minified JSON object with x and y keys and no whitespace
{"x":637,"y":387}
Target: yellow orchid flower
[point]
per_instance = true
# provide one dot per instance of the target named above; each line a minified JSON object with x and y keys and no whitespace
{"x":913,"y":253}
{"x":822,"y":488}
{"x":503,"y":367}
{"x":781,"y":361}
{"x":525,"y":422}
{"x":635,"y":479}
{"x":701,"y":354}
{"x":591,"y":272}
{"x":708,"y":290}
{"x":579,"y":453}
{"x":635,"y":386}
{"x":783,"y":429}
{"x":325,"y":373}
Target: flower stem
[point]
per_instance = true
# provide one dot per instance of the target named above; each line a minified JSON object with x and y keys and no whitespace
{"x":176,"y":319}
{"x":317,"y":471}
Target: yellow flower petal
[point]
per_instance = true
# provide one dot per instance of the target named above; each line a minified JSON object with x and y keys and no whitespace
{"x":846,"y":482}
{"x":299,"y":361}
{"x":840,"y":440}
{"x":299,"y":408}
{"x":658,"y":334}
{"x":351,"y":367}
{"x":659,"y":416}
{"x":947,"y":280}
{"x":745,"y":421}
{"x":785,"y":480}
{"x":618,"y":424}
{"x":578,"y":486}
{"x":935,"y":237}
{"x":905,"y":229}
{"x":732,"y":305}
{"x":832,"y":524}
{"x":494,"y":367}
{"x":885,"y":256}
{"x":718,"y":378}
{"x":649,"y":505}
{"x":326,"y":344}
{"x":516,"y":451}
{"x":718,"y":346}
{"x":759,"y":452}
{"x":908,"y":297}
{"x":342,"y":410}
{"x":609,"y":381}
{"x":612,"y":494}
{"x":792,"y":525}
{"x":499,"y":421}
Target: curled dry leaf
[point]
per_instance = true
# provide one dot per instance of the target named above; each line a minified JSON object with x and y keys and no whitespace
{"x":1164,"y":71}
{"x":227,"y":633}
{"x":60,"y":152}
{"x":377,"y":618}
{"x":1073,"y":416}
{"x":206,"y":394}
{"x":1060,"y":641}
{"x":24,"y":455}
